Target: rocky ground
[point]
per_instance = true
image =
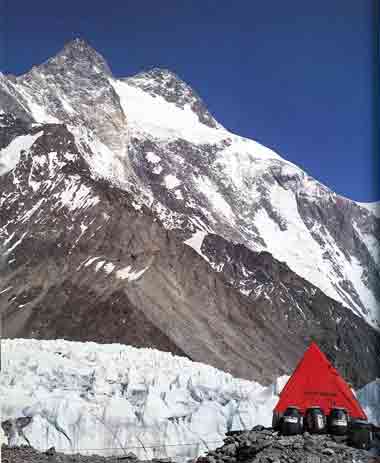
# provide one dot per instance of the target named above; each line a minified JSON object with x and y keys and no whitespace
{"x":267,"y":446}
{"x":259,"y":445}
{"x":25,"y":454}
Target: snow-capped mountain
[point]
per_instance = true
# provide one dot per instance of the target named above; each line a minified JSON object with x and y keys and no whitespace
{"x":248,"y":194}
{"x":129,"y":214}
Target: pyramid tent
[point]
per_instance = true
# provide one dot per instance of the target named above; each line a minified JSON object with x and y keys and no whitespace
{"x":315,"y":382}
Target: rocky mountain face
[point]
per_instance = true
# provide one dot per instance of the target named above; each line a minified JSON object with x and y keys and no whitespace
{"x":129,"y":214}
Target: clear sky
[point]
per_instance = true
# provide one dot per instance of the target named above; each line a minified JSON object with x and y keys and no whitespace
{"x":295,"y":75}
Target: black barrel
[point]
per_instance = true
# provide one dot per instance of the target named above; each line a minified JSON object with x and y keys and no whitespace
{"x":337,"y":421}
{"x":315,"y":420}
{"x":291,"y":422}
{"x":276,"y":420}
{"x":360,"y":434}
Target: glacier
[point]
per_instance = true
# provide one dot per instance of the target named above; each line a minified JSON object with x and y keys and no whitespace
{"x":114,"y":399}
{"x":369,"y":397}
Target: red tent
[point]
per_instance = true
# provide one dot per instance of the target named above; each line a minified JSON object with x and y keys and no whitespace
{"x":316,"y":382}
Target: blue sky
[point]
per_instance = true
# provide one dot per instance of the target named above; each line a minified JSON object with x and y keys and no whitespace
{"x":295,"y":75}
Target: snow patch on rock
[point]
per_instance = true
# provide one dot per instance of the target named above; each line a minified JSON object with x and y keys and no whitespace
{"x":171,"y":181}
{"x":10,"y":155}
{"x":195,"y":242}
{"x":152,"y":158}
{"x":127,"y":273}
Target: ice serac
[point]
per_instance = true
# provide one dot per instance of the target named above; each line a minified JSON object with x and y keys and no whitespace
{"x":116,"y":399}
{"x":146,"y":222}
{"x":369,"y":397}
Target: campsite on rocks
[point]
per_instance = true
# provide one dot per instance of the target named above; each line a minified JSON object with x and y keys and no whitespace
{"x":172,"y":291}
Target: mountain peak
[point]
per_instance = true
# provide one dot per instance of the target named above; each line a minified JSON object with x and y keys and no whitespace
{"x":78,"y":51}
{"x":77,"y":55}
{"x":78,"y":42}
{"x":165,"y":83}
{"x":78,"y":46}
{"x":162,"y":74}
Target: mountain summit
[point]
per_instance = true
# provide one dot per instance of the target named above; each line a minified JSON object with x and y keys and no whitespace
{"x":128,"y":214}
{"x":166,"y":84}
{"x":77,"y":56}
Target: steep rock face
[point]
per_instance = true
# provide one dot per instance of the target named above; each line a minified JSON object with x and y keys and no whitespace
{"x":72,"y":87}
{"x":84,"y":261}
{"x":11,"y":100}
{"x":10,"y":128}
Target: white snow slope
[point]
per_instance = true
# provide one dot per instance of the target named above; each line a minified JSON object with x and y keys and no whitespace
{"x":112,"y":399}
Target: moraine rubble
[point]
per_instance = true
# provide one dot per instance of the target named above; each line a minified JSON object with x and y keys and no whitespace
{"x":260,"y":445}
